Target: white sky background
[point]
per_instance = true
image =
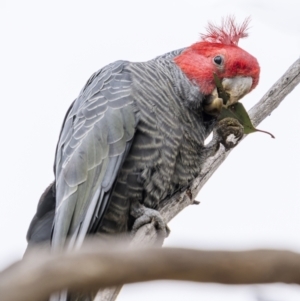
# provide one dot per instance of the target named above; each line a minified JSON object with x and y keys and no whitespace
{"x":50,"y":49}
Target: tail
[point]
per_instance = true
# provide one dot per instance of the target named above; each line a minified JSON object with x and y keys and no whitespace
{"x":40,"y":227}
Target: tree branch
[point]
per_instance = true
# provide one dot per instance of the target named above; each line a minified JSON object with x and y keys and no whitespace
{"x":39,"y":275}
{"x":168,"y":210}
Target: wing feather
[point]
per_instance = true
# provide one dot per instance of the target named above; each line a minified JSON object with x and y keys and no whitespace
{"x":94,"y":141}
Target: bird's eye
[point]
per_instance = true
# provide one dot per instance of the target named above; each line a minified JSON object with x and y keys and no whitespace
{"x":218,"y":60}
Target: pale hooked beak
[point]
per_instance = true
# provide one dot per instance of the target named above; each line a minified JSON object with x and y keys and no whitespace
{"x":236,"y":87}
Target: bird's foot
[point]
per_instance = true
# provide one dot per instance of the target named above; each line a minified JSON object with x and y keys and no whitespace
{"x":146,"y":216}
{"x":229,"y":132}
{"x":151,"y":216}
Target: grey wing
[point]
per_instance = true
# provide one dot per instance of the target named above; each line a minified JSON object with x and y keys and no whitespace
{"x":96,"y":136}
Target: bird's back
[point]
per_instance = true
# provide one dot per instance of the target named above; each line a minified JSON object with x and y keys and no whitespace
{"x":165,"y":155}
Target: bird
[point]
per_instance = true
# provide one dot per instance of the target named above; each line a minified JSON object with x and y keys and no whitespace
{"x":136,"y":134}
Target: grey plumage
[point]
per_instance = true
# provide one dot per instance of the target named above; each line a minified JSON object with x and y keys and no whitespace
{"x":135,"y":133}
{"x":94,"y":141}
{"x":166,"y":152}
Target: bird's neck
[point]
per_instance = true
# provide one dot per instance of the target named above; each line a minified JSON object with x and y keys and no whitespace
{"x":188,"y":91}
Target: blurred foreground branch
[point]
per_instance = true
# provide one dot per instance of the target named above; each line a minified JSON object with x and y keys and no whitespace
{"x":179,"y":201}
{"x":38,"y":275}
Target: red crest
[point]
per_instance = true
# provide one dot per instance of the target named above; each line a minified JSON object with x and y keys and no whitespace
{"x":228,"y":33}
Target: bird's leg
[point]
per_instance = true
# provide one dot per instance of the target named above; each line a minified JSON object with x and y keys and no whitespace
{"x":228,"y":132}
{"x":144,"y":215}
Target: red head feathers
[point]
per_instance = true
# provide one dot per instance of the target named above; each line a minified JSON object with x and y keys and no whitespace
{"x":218,"y":53}
{"x":229,"y":33}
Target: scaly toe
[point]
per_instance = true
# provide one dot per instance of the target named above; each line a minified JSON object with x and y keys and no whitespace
{"x":151,"y":216}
